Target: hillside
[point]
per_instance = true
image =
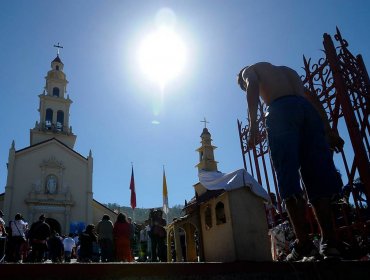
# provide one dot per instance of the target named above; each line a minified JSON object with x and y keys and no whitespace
{"x":142,"y":214}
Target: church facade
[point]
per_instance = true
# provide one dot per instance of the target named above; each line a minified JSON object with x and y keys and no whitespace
{"x":49,"y":177}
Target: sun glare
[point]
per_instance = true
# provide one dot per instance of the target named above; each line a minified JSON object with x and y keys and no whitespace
{"x":162,"y":55}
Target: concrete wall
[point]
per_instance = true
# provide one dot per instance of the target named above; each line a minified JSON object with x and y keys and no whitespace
{"x":38,"y":136}
{"x":2,"y":196}
{"x":249,"y":226}
{"x":244,"y":236}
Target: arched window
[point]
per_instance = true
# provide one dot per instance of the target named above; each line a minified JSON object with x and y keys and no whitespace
{"x":220,"y":213}
{"x":48,"y":118}
{"x":60,"y":120}
{"x":57,"y":67}
{"x":208,"y":217}
{"x":56,"y":91}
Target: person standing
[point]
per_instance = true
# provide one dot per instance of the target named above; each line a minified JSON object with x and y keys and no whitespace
{"x":158,"y":236}
{"x":143,"y":239}
{"x":3,"y":236}
{"x":38,"y":235}
{"x":87,"y":240}
{"x":68,"y":245}
{"x":121,"y":234}
{"x":55,"y":247}
{"x":300,"y":139}
{"x":132,"y":236}
{"x":104,"y":229}
{"x":149,"y":239}
{"x":2,"y":225}
{"x":18,"y":238}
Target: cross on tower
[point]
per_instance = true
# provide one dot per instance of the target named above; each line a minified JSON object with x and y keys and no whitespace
{"x":58,"y":47}
{"x":205,"y":123}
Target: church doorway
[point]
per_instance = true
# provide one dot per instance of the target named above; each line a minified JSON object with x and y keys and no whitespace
{"x":54,"y":225}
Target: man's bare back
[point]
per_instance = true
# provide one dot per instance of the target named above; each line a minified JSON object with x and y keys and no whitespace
{"x":273,"y":81}
{"x":268,"y":82}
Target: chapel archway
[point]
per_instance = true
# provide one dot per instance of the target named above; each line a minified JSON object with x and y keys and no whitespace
{"x":183,"y":241}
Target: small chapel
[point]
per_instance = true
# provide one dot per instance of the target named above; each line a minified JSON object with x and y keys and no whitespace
{"x":226,"y":220}
{"x":49,"y":177}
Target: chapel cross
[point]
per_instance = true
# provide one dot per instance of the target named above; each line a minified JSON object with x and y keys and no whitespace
{"x":205,"y":123}
{"x":59,"y":47}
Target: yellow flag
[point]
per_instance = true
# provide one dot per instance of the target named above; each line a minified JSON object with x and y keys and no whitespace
{"x":165,"y":194}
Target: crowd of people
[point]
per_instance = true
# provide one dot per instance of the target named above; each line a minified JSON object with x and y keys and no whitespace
{"x":107,"y":241}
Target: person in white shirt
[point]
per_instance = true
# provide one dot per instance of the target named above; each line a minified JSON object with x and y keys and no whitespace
{"x":69,"y":244}
{"x":18,"y":229}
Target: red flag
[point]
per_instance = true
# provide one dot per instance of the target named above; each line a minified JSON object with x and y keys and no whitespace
{"x":132,"y":188}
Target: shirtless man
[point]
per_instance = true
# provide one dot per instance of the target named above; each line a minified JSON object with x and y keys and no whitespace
{"x":296,"y":134}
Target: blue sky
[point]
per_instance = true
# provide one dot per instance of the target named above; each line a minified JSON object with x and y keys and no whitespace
{"x":114,"y":104}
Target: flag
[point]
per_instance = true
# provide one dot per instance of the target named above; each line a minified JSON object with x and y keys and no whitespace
{"x":165,"y":194}
{"x":132,"y":188}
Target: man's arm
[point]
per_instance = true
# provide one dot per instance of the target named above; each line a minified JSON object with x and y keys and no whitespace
{"x":334,"y":140}
{"x":252,"y":89}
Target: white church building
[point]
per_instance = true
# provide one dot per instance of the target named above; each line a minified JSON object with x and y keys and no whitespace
{"x":49,"y":177}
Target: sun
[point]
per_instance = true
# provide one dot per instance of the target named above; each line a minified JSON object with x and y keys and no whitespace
{"x":162,"y":55}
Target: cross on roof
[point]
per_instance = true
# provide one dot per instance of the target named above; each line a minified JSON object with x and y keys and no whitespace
{"x":205,"y":122}
{"x":59,"y":47}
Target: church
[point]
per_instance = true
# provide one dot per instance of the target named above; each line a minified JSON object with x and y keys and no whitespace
{"x":49,"y":177}
{"x":226,"y":220}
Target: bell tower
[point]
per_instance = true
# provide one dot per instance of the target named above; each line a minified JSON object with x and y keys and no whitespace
{"x":206,"y":151}
{"x":54,"y":108}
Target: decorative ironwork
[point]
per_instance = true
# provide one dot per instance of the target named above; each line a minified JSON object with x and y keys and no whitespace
{"x":319,"y":80}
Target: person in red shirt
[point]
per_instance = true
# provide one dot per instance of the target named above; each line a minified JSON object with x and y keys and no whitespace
{"x":121,"y":235}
